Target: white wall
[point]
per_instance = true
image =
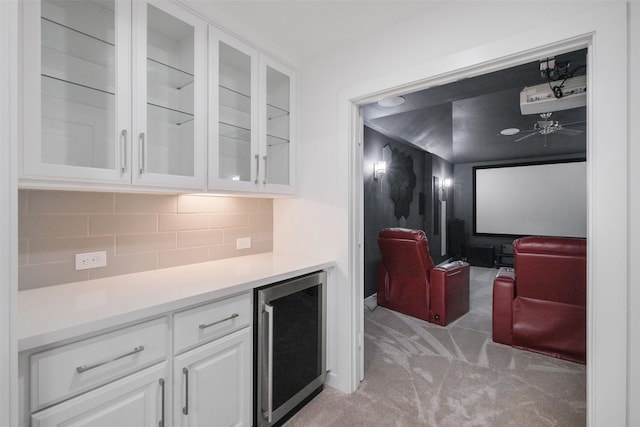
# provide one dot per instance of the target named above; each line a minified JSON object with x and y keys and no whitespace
{"x":8,"y":214}
{"x":634,"y":213}
{"x":319,"y":220}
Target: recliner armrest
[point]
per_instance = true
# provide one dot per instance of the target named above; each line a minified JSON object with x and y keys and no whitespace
{"x":451,"y":266}
{"x":504,"y":292}
{"x":449,"y":292}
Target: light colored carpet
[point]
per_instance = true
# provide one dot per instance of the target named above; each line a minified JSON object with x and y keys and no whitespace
{"x":420,"y":374}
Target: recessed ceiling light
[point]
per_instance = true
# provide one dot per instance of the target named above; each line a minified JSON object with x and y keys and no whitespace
{"x":509,"y":131}
{"x":392,"y":101}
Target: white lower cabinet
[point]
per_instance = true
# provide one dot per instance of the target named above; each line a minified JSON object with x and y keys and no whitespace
{"x":136,"y":400}
{"x":212,"y":385}
{"x":132,"y":377}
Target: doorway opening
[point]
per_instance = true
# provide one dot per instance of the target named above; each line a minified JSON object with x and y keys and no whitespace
{"x":362,"y":163}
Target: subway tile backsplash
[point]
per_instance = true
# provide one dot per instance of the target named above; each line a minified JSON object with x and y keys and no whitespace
{"x":139,"y":232}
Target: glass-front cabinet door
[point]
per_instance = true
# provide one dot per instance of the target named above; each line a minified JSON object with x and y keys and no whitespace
{"x":114,"y":93}
{"x":277,"y":145}
{"x":234,"y":159}
{"x":169,"y":119}
{"x":76,"y":81}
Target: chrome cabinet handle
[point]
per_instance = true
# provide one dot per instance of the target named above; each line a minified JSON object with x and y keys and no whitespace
{"x":185,"y":408}
{"x":217,"y":322}
{"x":161,"y":423}
{"x":264,"y":181}
{"x":141,"y":153}
{"x":85,"y":368}
{"x":123,"y":155}
{"x":257,"y":168}
{"x":268,"y":414}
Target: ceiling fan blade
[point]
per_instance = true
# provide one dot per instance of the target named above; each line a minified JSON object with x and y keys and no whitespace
{"x":526,"y":136}
{"x":571,"y":132}
{"x":573,"y":123}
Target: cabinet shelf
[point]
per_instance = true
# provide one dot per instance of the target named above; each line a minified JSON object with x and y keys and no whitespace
{"x":234,"y":99}
{"x":238,"y":133}
{"x":77,"y":92}
{"x":160,"y":113}
{"x":168,"y":75}
{"x":76,"y":31}
{"x":273,"y":140}
{"x":274,"y":112}
{"x":66,"y":46}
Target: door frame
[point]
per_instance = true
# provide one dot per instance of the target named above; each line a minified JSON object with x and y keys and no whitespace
{"x":604,"y":33}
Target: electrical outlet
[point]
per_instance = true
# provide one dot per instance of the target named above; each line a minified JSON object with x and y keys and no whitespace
{"x":243,"y":243}
{"x":91,"y":260}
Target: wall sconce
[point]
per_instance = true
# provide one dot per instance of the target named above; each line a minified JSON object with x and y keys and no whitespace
{"x":379,"y":169}
{"x":445,"y":184}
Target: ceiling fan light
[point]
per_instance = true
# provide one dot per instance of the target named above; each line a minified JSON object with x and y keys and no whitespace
{"x":392,"y":101}
{"x":509,"y":131}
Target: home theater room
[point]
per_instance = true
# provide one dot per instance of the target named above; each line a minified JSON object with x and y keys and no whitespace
{"x":480,"y":187}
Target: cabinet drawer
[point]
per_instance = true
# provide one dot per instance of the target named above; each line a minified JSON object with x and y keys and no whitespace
{"x":74,"y":368}
{"x":210,"y":321}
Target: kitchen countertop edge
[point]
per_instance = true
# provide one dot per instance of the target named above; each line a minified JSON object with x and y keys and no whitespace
{"x":56,"y":314}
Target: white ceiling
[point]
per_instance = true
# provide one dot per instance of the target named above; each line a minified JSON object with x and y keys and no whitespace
{"x":302,"y":29}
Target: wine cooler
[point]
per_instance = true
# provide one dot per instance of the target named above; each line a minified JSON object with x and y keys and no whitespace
{"x":289,"y":346}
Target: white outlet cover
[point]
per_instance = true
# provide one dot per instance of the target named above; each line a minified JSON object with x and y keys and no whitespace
{"x":91,"y":260}
{"x":243,"y":243}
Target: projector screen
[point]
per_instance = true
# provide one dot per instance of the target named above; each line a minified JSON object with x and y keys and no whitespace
{"x":538,"y":199}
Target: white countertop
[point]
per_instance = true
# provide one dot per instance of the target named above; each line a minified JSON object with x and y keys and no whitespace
{"x":57,"y":313}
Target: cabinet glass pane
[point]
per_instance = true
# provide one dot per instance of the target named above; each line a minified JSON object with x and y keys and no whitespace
{"x":170,"y":94}
{"x":78,"y":83}
{"x":278,"y":107}
{"x":234,"y":117}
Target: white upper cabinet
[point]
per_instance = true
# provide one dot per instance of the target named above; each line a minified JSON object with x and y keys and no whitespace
{"x":233,"y":119}
{"x":277,"y":87}
{"x":134,"y":94}
{"x":170,"y":103}
{"x":250,"y":128}
{"x":114,"y":93}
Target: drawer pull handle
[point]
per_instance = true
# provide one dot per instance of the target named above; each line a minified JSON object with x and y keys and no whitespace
{"x":84,"y":368}
{"x":217,"y":322}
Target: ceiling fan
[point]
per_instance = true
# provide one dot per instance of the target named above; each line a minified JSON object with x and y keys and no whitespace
{"x":546,"y":126}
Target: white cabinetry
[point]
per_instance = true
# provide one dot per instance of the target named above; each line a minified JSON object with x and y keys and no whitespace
{"x":107,"y":380}
{"x":276,"y":130}
{"x":212,"y":385}
{"x":114,"y":93}
{"x":251,"y":102}
{"x":124,"y":377}
{"x":137,"y":400}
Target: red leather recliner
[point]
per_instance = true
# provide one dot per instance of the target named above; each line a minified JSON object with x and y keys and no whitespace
{"x":409,"y":283}
{"x":540,"y":305}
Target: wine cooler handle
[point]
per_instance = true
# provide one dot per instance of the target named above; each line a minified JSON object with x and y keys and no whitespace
{"x":185,"y":408}
{"x":269,"y":412}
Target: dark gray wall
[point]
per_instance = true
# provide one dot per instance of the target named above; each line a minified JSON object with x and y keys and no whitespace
{"x":441,"y":169}
{"x":463,"y":197}
{"x":379,"y":208}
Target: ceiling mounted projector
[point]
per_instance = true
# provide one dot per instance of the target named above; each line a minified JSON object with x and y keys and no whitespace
{"x":554,"y":96}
